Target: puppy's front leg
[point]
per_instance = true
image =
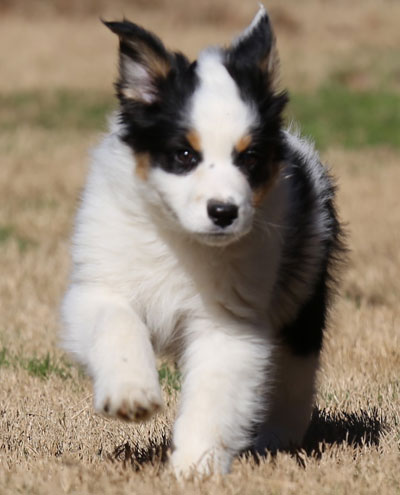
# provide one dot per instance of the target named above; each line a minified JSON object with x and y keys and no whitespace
{"x":108,"y":336}
{"x":224,"y":375}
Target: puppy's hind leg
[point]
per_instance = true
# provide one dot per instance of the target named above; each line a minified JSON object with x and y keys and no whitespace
{"x":290,"y":403}
{"x":106,"y":335}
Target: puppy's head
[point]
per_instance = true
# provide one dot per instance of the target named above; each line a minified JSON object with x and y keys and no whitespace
{"x":206,"y":135}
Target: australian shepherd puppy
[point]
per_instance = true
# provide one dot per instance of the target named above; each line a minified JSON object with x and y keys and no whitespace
{"x":207,"y":232}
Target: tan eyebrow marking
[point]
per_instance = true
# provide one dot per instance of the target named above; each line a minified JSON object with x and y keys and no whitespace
{"x":243,"y":143}
{"x":142,"y":165}
{"x":260,"y":192}
{"x":194,"y":140}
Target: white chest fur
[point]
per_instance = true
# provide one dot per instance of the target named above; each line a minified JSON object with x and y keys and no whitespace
{"x":166,"y":276}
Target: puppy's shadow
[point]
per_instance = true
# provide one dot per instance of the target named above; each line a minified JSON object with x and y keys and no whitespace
{"x":135,"y":456}
{"x":356,"y":429}
{"x":339,"y":427}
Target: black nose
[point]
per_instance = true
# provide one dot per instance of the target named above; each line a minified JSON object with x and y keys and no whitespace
{"x":222,"y":214}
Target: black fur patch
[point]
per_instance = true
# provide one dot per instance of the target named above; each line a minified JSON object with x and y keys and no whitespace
{"x":255,"y":47}
{"x":244,"y":62}
{"x":267,"y":141}
{"x":304,"y":335}
{"x":127,"y":30}
{"x":157,"y":128}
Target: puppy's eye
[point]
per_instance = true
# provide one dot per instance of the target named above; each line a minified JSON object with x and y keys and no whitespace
{"x":186,"y":157}
{"x":249,"y":159}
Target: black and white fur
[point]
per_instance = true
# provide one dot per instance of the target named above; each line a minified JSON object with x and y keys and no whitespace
{"x":206,"y":232}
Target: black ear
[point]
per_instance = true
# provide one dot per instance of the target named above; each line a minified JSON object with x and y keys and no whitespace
{"x":256,"y":45}
{"x":144,"y":61}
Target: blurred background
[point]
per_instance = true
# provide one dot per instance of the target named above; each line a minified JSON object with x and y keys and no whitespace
{"x":58,"y":61}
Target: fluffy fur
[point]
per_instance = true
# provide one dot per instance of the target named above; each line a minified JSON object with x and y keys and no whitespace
{"x":207,"y":232}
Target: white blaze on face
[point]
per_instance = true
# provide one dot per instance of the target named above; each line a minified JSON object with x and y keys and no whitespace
{"x":218,"y":114}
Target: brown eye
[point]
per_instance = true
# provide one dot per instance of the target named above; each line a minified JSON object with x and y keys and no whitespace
{"x":249,"y":159}
{"x":186,"y":157}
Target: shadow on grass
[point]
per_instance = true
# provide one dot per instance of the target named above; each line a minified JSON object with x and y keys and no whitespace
{"x":357,"y":429}
{"x":134,"y":456}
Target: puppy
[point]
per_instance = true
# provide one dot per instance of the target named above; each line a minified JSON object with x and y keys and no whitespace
{"x":207,"y":232}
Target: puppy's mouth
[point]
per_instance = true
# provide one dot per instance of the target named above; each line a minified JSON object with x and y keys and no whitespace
{"x":217,"y":238}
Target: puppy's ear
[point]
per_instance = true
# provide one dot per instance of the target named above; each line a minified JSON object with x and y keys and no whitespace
{"x":256,"y":45}
{"x":144,"y":62}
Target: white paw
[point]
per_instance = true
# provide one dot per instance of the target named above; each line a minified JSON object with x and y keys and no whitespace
{"x":128,"y":399}
{"x":187,"y":463}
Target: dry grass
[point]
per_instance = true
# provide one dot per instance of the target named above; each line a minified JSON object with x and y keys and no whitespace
{"x":50,"y":440}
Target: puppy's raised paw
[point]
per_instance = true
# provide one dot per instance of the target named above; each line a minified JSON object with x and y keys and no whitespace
{"x":128,"y":401}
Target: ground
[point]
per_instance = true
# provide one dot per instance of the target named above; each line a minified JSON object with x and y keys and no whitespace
{"x":340,"y":62}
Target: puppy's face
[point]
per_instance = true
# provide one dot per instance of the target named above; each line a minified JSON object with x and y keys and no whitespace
{"x":206,"y":135}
